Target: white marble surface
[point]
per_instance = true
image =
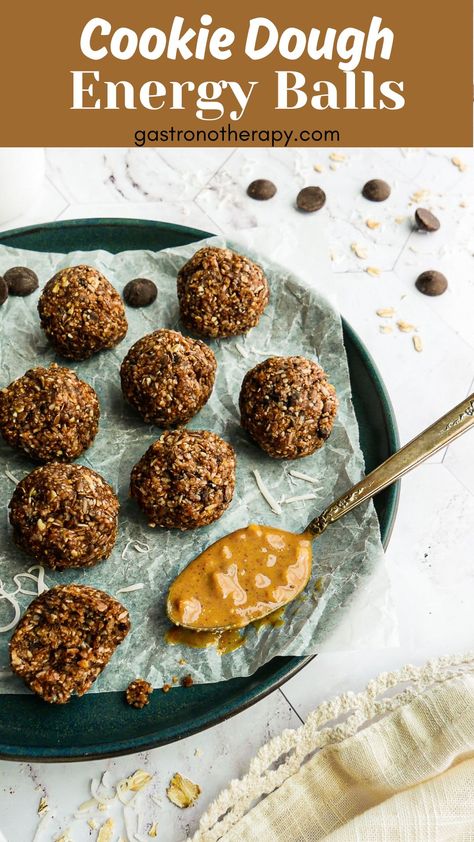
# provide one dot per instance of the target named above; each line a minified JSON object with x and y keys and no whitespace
{"x":429,"y":560}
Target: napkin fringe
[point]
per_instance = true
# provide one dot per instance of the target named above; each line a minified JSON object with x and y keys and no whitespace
{"x":284,"y":755}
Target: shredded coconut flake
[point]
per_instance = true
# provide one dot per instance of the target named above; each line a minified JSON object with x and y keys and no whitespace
{"x":301,"y":475}
{"x":266,"y":494}
{"x":130,"y":588}
{"x":299,"y":498}
{"x":11,"y":476}
{"x":240,"y":348}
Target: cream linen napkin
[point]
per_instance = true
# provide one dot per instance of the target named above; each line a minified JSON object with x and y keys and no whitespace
{"x":392,"y":764}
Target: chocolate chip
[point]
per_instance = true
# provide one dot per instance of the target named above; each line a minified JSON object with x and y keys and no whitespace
{"x":140,"y":292}
{"x":376,"y":190}
{"x":3,"y":291}
{"x":261,"y":189}
{"x":21,"y":281}
{"x":425,"y":220}
{"x":311,"y":199}
{"x":431,"y":282}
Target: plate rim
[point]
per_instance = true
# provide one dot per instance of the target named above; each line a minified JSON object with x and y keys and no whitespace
{"x":146,"y":743}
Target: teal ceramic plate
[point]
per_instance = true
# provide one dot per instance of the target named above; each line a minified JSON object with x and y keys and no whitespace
{"x":101,"y":724}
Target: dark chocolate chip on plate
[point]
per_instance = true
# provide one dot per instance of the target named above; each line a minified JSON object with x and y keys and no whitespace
{"x":310,"y":199}
{"x":376,"y":190}
{"x":425,"y":220}
{"x":3,"y":291}
{"x":261,"y":189}
{"x":431,"y":282}
{"x":141,"y":292}
{"x":21,"y":280}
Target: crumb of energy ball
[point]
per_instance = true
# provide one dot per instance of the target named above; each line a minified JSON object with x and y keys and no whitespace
{"x":221,"y":293}
{"x":49,"y":413}
{"x":287,"y":406}
{"x":138,"y":693}
{"x":81,"y":313}
{"x":168,"y":377}
{"x":185,"y":479}
{"x":65,"y":639}
{"x":64,"y":516}
{"x":187,"y":681}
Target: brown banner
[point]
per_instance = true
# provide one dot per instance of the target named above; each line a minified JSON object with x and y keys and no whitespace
{"x":202,"y":73}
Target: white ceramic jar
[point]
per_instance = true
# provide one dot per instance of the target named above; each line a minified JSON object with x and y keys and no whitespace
{"x":21,"y":177}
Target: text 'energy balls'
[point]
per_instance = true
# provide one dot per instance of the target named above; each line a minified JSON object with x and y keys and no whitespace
{"x":185,"y":479}
{"x":168,"y":377}
{"x":65,"y":639}
{"x":81,"y":313}
{"x":221,"y":293}
{"x":64,"y":516}
{"x":287,"y":406}
{"x":50,"y":414}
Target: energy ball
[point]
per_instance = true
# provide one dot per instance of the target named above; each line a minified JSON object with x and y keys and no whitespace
{"x":65,"y":639}
{"x":64,"y":516}
{"x":138,"y":693}
{"x":221,"y":293}
{"x":168,"y":377}
{"x":50,"y":414}
{"x":81,"y":313}
{"x":287,"y":406}
{"x":185,"y":479}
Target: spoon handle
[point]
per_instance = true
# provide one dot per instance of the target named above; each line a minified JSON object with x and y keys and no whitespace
{"x":441,"y":433}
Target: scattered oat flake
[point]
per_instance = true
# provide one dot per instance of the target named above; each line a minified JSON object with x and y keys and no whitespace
{"x":400,"y":219}
{"x":299,"y":498}
{"x":198,"y":752}
{"x":374,"y":271}
{"x":372,"y":224}
{"x":92,"y":824}
{"x":106,"y":831}
{"x":458,"y":163}
{"x":153,"y":832}
{"x":333,"y":167}
{"x":43,"y":806}
{"x":318,"y":168}
{"x":359,"y":251}
{"x":65,"y":837}
{"x":419,"y":195}
{"x":182,"y":792}
{"x":274,"y":505}
{"x":337,"y":156}
{"x":139,"y":780}
{"x":85,"y":807}
{"x":386,"y":312}
{"x":463,"y":205}
{"x":417,"y":343}
{"x":385,"y":328}
{"x":405,"y":327}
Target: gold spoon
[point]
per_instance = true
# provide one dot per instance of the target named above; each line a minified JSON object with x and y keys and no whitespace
{"x":256,"y":570}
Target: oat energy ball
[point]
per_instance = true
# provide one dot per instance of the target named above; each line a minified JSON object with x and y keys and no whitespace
{"x":64,"y":516}
{"x":81,"y":313}
{"x":49,"y":413}
{"x":185,"y":479}
{"x":221,"y":293}
{"x":65,"y":639}
{"x":168,"y":377}
{"x":288,"y":406}
{"x":138,"y":693}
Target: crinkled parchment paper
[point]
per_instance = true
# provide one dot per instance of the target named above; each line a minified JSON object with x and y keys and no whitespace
{"x":298,"y":321}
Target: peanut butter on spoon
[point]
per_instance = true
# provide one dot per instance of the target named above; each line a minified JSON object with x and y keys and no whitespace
{"x":254,"y":571}
{"x":242,"y":577}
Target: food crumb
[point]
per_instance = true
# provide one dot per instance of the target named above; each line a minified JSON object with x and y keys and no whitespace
{"x":318,"y":168}
{"x":359,"y":251}
{"x":405,"y":327}
{"x":399,"y":219}
{"x":198,"y":752}
{"x":43,"y":806}
{"x":153,"y":832}
{"x":385,"y":328}
{"x":458,"y":163}
{"x":182,"y":792}
{"x":337,"y":156}
{"x":182,"y":662}
{"x":138,"y":693}
{"x":374,"y":271}
{"x":372,"y":224}
{"x":417,"y":343}
{"x":92,"y":824}
{"x":166,"y":688}
{"x":385,"y":312}
{"x":187,"y":681}
{"x":106,"y":831}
